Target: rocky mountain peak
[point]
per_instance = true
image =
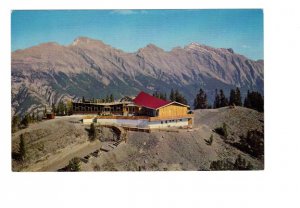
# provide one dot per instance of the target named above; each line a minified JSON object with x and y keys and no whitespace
{"x":81,"y":40}
{"x":152,"y":47}
{"x":197,"y":47}
{"x":85,"y":41}
{"x":194,"y":44}
{"x":49,"y":44}
{"x":48,"y":73}
{"x":230,"y":50}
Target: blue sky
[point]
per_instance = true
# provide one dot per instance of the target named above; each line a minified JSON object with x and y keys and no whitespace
{"x":130,"y":30}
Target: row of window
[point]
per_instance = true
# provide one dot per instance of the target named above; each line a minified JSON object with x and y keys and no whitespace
{"x":170,"y":121}
{"x":78,"y":107}
{"x":97,"y":108}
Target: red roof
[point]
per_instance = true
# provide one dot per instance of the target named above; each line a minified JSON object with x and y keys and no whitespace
{"x":149,"y":101}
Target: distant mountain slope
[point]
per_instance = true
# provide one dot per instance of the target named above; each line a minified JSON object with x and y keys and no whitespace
{"x":45,"y":74}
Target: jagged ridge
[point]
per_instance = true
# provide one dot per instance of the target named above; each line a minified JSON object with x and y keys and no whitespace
{"x":47,"y":73}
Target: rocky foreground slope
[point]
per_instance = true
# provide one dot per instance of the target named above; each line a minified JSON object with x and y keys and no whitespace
{"x":47,"y":73}
{"x":51,"y":144}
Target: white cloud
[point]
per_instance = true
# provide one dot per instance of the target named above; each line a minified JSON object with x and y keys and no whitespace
{"x":128,"y":11}
{"x":245,"y":46}
{"x":123,"y":11}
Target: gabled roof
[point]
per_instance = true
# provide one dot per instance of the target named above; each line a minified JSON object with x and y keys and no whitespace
{"x":174,"y":102}
{"x":145,"y":100}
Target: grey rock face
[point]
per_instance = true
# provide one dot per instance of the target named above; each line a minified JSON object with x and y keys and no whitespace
{"x":47,"y":73}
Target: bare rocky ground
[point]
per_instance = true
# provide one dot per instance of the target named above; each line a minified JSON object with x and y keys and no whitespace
{"x":51,"y":144}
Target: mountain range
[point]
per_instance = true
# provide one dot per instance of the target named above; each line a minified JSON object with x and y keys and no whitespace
{"x":49,"y":72}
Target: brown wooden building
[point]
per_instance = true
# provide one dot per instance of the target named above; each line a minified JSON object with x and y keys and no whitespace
{"x":143,"y":112}
{"x":142,"y":105}
{"x":113,"y":108}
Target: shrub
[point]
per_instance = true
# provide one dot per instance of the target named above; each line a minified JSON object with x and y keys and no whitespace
{"x":221,"y":165}
{"x":93,"y":132}
{"x":239,"y":164}
{"x":225,"y":130}
{"x":252,"y":143}
{"x":210,"y":140}
{"x":25,"y":121}
{"x":96,"y":167}
{"x":222,"y":130}
{"x":15,"y":123}
{"x":74,"y":165}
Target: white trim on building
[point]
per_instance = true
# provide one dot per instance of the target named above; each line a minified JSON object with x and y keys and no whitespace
{"x":139,"y":123}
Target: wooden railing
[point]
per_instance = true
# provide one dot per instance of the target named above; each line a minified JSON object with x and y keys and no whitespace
{"x":170,"y":117}
{"x":88,"y":117}
{"x":142,"y":117}
{"x":123,"y":117}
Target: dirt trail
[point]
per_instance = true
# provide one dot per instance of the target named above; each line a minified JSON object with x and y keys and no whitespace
{"x":61,"y":159}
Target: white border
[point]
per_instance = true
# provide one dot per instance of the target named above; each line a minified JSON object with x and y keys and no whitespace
{"x":278,"y":185}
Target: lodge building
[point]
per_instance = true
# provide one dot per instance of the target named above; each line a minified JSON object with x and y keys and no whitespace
{"x":144,"y":111}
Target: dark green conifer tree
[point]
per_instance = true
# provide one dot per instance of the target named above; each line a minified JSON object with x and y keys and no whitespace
{"x":25,"y":121}
{"x":45,"y":112}
{"x":107,"y":99}
{"x":93,"y":132}
{"x":155,"y":94}
{"x":61,"y":108}
{"x":246,"y":101}
{"x":33,"y":119}
{"x":223,"y":99}
{"x":172,"y":95}
{"x":254,"y":100}
{"x":180,"y":98}
{"x":111,"y":98}
{"x":232,"y":97}
{"x":200,"y":101}
{"x":217,"y":99}
{"x":22,"y":148}
{"x":53,"y":108}
{"x":238,"y":98}
{"x":15,"y":123}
